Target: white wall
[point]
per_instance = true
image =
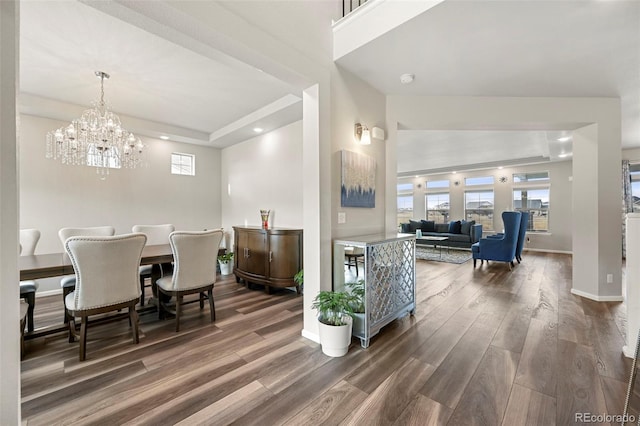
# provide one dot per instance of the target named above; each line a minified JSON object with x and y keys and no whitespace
{"x":53,"y":196}
{"x":353,"y":101}
{"x":557,"y":239}
{"x":264,"y":172}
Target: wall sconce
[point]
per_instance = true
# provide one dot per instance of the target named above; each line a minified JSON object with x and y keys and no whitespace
{"x":363,"y":136}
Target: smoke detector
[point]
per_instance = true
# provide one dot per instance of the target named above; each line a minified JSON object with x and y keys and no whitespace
{"x":406,"y":78}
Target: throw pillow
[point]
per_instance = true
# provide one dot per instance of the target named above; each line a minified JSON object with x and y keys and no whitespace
{"x":454,"y":227}
{"x":442,"y":227}
{"x":404,"y":228}
{"x":428,"y":226}
{"x":465,"y":227}
{"x":413,"y":225}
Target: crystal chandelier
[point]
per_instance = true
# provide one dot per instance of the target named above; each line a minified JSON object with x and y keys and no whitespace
{"x":96,"y":139}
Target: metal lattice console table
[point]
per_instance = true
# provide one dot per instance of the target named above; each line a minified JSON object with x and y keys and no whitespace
{"x":389,"y":279}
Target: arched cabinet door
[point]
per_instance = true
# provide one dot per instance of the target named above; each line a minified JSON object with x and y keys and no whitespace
{"x":270,"y":257}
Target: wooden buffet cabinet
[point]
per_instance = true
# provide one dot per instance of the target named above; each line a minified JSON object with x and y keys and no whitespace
{"x":267,"y":256}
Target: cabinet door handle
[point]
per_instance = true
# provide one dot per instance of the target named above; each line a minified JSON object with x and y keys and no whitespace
{"x":270,"y":256}
{"x":248,"y":252}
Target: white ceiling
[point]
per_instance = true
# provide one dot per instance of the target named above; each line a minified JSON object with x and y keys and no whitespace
{"x":508,"y":48}
{"x":189,"y":96}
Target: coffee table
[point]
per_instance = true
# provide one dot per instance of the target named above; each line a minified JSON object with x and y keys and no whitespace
{"x":434,"y":241}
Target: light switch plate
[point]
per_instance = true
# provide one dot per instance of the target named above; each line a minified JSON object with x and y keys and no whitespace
{"x":342,"y":217}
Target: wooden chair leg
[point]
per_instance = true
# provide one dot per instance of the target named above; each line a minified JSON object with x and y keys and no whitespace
{"x":178,"y":309}
{"x":65,"y":291}
{"x":212,"y":305}
{"x":133,"y":318}
{"x":474,"y":262}
{"x":30,"y":298}
{"x":142,"y":278}
{"x":201,"y":300}
{"x":83,"y":338}
{"x":72,"y":329}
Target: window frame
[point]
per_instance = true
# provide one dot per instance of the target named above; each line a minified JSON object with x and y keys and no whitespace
{"x":488,"y":225}
{"x":535,"y":186}
{"x":182,"y":155}
{"x":439,"y":191}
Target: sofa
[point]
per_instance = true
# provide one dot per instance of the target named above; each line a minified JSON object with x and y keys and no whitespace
{"x":461,"y":234}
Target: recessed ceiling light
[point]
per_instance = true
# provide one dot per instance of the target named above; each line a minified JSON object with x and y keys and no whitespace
{"x":564,"y":154}
{"x":164,"y":138}
{"x":500,"y":167}
{"x":407,"y":78}
{"x":258,"y":129}
{"x":564,"y":139}
{"x":454,"y":172}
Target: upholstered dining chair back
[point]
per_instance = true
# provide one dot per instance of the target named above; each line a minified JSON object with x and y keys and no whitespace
{"x":95,"y":231}
{"x":156,"y":234}
{"x":106,"y":269}
{"x":195,"y":254}
{"x":28,"y":240}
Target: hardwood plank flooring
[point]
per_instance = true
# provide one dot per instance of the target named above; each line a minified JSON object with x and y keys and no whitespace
{"x":486,"y":346}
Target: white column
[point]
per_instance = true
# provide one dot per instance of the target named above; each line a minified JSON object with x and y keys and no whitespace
{"x":632,"y":293}
{"x":9,"y":289}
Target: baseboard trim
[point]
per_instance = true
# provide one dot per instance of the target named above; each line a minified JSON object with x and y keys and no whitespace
{"x":311,"y":336}
{"x":596,"y":297}
{"x":48,"y":293}
{"x":547,"y":251}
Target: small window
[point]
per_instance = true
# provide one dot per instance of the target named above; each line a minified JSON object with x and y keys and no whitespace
{"x":404,"y":187}
{"x":438,"y":207}
{"x":405,"y":208}
{"x":531,"y":177}
{"x":536,"y":202}
{"x":474,"y":181}
{"x":433,"y":184}
{"x":183,"y":164}
{"x":479,"y":207}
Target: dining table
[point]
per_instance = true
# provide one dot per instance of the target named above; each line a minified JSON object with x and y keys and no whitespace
{"x":57,"y":264}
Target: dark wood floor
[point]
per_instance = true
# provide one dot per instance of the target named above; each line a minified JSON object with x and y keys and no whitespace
{"x":486,"y":346}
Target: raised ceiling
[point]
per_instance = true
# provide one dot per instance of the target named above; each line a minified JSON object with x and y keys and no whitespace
{"x":213,"y":100}
{"x":510,"y":48}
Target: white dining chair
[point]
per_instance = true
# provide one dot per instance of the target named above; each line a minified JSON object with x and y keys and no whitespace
{"x":194,"y":255}
{"x":28,"y":240}
{"x":68,"y":282}
{"x":106,"y":279}
{"x":156,"y":235}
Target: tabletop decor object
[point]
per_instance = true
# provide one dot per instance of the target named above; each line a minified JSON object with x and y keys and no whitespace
{"x":264,"y":215}
{"x":96,"y":139}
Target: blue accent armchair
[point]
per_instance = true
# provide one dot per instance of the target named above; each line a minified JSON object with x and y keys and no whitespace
{"x":500,"y":249}
{"x":524,"y":222}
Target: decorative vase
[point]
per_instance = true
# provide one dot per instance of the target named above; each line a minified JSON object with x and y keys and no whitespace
{"x":335,"y":339}
{"x":264,"y":215}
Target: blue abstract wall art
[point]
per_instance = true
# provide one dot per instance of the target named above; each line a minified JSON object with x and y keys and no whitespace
{"x":358,"y":180}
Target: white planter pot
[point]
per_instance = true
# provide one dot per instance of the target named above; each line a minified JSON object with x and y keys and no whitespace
{"x":225,"y":268}
{"x":335,"y":340}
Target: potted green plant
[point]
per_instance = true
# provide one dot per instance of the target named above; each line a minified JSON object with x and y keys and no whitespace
{"x":299,"y":279}
{"x":356,"y":288}
{"x":334,"y":321}
{"x":225,"y":262}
